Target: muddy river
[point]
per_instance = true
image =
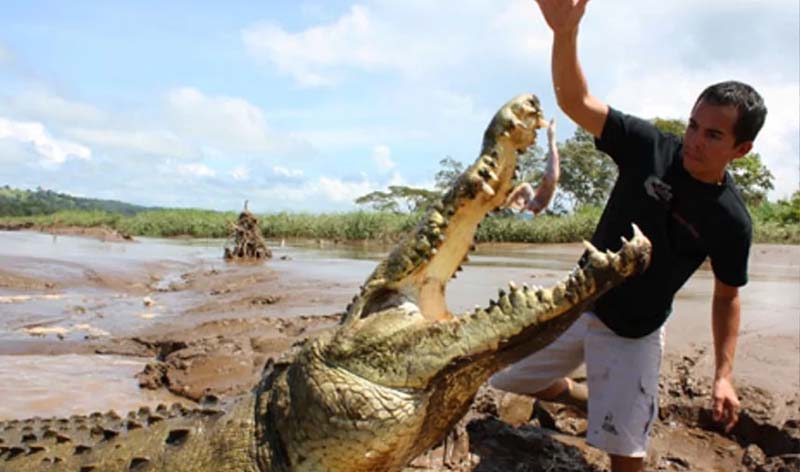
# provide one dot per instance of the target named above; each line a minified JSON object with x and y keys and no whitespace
{"x":60,"y":293}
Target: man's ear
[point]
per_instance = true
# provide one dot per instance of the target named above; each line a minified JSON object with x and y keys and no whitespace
{"x":743,"y":148}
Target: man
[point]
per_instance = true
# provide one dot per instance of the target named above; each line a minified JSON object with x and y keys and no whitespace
{"x":680,"y":195}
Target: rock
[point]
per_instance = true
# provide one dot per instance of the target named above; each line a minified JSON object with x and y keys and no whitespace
{"x":753,"y":457}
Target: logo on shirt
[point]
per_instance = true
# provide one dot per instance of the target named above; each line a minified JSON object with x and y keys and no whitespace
{"x":662,"y":193}
{"x":658,"y":189}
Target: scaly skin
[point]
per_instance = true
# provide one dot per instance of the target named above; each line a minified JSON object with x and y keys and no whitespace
{"x":389,"y":382}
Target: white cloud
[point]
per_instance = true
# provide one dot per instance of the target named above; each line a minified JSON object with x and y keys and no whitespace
{"x":52,"y":152}
{"x":42,"y":105}
{"x":410,"y":38}
{"x":229,"y":124}
{"x":341,"y":191}
{"x":382,"y":156}
{"x":285,"y":172}
{"x":240,"y":173}
{"x":195,"y":170}
{"x":125,"y":142}
{"x":226,"y":122}
{"x":350,"y":40}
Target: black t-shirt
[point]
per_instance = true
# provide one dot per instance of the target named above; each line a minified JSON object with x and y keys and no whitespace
{"x":686,"y":220}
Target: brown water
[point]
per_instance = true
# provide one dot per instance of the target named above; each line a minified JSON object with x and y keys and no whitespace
{"x":99,"y":288}
{"x":70,"y":384}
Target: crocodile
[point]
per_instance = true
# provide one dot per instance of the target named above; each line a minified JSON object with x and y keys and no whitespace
{"x":382,"y":387}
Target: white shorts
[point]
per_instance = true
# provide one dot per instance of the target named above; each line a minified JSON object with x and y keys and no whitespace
{"x":622,"y":377}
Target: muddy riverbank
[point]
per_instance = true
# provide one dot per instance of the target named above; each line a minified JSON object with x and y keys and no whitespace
{"x":80,"y":315}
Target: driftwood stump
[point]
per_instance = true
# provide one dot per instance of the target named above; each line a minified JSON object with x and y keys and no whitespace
{"x":245,"y":240}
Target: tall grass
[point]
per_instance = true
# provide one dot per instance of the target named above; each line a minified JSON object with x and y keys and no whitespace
{"x":381,"y":226}
{"x":541,"y":229}
{"x":79,"y":218}
{"x":171,"y":223}
{"x":370,"y":225}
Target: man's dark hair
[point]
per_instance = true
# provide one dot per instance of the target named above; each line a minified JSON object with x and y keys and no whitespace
{"x":747,"y":101}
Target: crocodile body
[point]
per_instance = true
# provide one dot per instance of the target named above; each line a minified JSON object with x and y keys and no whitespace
{"x":383,"y":387}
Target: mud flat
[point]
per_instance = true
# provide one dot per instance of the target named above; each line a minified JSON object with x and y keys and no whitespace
{"x":162,"y":321}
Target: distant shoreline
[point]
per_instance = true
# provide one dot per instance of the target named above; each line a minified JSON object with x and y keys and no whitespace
{"x":385,"y":227}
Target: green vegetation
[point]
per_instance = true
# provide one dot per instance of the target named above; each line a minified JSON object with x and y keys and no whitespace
{"x":773,"y":222}
{"x":777,"y":222}
{"x":15,"y":202}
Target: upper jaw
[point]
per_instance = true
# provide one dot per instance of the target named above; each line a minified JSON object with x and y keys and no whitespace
{"x":421,"y":265}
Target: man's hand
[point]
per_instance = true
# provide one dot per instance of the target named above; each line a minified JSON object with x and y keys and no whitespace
{"x":726,"y":404}
{"x":562,"y":15}
{"x":551,"y":132}
{"x":726,"y":314}
{"x":520,"y":197}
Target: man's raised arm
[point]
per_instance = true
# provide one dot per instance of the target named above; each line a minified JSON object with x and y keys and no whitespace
{"x":571,"y":88}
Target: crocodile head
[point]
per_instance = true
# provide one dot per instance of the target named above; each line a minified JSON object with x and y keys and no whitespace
{"x":401,"y":370}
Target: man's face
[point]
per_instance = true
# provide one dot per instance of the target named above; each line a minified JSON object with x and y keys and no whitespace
{"x":709,"y":144}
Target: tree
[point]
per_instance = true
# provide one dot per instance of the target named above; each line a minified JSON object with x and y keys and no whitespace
{"x":753,"y":178}
{"x":449,"y":173}
{"x":399,"y":199}
{"x":587,"y":175}
{"x":531,"y":165}
{"x":670,"y":125}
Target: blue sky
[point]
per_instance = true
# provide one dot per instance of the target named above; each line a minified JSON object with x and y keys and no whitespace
{"x":304,"y":106}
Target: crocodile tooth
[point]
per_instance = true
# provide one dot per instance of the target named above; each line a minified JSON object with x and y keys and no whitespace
{"x":487,"y":189}
{"x":436,"y":218}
